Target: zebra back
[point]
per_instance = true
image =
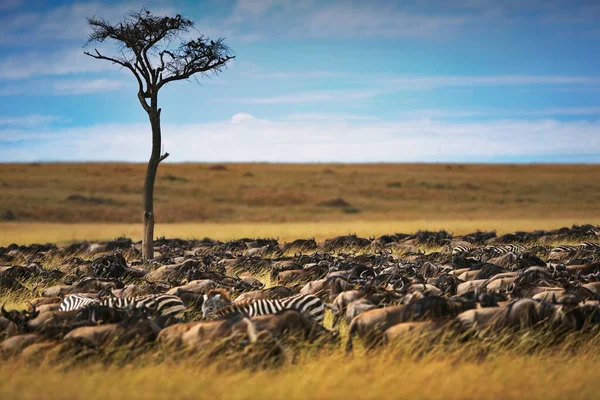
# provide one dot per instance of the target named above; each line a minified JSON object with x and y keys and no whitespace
{"x":309,"y":305}
{"x":76,"y":301}
{"x":564,"y":248}
{"x":154,"y":304}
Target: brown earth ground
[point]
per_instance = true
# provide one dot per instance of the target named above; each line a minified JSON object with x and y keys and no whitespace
{"x":300,"y":192}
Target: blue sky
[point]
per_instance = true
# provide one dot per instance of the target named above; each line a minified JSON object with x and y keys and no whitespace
{"x":343,"y":81}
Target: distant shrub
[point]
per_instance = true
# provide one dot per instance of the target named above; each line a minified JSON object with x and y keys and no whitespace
{"x":328,"y":171}
{"x":394,"y":185}
{"x":468,"y":186}
{"x":173,"y":178}
{"x":337,"y":202}
{"x":351,"y":210}
{"x":78,"y":198}
{"x":217,"y":167}
{"x":8,"y":215}
{"x":248,"y":174}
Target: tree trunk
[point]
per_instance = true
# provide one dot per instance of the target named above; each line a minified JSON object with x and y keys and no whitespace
{"x":155,"y":158}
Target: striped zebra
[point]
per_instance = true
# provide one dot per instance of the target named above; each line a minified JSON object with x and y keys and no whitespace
{"x":218,"y":306}
{"x":502,"y":250}
{"x":590,"y":246}
{"x":154,"y":304}
{"x":564,"y":248}
{"x":462,"y":249}
{"x":76,"y":301}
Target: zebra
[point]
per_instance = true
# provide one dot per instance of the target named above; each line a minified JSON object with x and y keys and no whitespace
{"x":564,"y":248}
{"x":218,"y":306}
{"x":154,"y":304}
{"x":461,"y":249}
{"x":502,"y":250}
{"x":76,"y":301}
{"x":590,"y":246}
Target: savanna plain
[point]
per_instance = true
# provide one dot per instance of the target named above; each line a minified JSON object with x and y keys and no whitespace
{"x":66,"y":203}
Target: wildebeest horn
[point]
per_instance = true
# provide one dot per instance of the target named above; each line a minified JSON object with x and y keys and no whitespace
{"x":403,"y":284}
{"x":4,"y":312}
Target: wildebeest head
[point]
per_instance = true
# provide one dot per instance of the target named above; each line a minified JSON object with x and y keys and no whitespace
{"x":20,"y":317}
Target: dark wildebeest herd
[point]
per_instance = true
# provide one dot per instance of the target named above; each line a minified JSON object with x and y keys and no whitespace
{"x":199,"y":293}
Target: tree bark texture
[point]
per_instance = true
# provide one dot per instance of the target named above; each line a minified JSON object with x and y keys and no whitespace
{"x":155,"y":159}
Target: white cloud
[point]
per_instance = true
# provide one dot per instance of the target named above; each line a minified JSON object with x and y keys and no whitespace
{"x":85,"y":86}
{"x":241,"y":117}
{"x":302,"y":141}
{"x":32,"y":120}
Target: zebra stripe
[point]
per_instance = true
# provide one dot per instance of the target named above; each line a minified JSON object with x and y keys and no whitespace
{"x":309,"y":305}
{"x":76,"y":302}
{"x":565,"y":248}
{"x":155,"y":304}
{"x":461,"y":249}
{"x":590,"y":246}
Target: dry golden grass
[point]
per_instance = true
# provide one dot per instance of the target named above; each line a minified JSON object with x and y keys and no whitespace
{"x":293,"y":192}
{"x":379,"y":376}
{"x":40,"y":232}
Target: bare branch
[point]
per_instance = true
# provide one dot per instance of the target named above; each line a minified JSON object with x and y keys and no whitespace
{"x":163,"y":157}
{"x":126,"y":64}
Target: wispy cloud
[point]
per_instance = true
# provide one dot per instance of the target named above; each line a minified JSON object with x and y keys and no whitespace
{"x":365,"y":20}
{"x":251,"y":20}
{"x":328,"y":117}
{"x":309,"y":97}
{"x":85,"y":86}
{"x":8,"y":4}
{"x":556,"y":111}
{"x":66,"y":22}
{"x":35,"y":63}
{"x":61,"y":87}
{"x":435,"y":82}
{"x":381,"y":86}
{"x":434,"y":113}
{"x":429,"y":82}
{"x":27,"y":121}
{"x":440,"y":113}
{"x":261,"y":19}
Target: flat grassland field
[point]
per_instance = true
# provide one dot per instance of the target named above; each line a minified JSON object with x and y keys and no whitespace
{"x":226,"y":201}
{"x":66,"y":202}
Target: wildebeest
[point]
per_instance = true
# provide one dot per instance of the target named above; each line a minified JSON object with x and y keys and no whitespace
{"x":370,"y":324}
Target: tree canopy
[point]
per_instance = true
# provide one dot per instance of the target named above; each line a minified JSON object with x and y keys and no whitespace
{"x":155,"y":49}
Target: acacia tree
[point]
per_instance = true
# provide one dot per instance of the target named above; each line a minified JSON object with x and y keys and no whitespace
{"x":155,"y":51}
